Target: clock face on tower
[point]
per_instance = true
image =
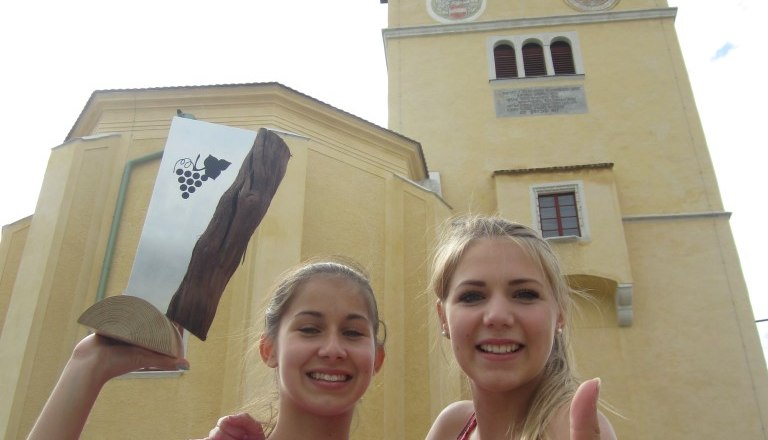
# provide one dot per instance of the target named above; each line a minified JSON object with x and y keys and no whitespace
{"x":452,"y":11}
{"x":591,"y":5}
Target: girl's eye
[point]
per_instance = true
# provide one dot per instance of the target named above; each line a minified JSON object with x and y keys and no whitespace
{"x":353,"y":333}
{"x":470,"y":297}
{"x":309,"y":330}
{"x":526,"y":295}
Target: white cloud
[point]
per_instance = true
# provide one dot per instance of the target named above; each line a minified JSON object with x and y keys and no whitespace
{"x":730,"y":103}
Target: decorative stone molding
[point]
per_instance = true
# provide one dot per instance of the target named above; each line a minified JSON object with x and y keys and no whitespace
{"x":677,"y":216}
{"x":624,"y":310}
{"x":525,"y":23}
{"x":452,"y":11}
{"x":591,"y":5}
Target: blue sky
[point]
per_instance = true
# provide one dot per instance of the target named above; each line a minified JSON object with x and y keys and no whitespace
{"x":723,"y":51}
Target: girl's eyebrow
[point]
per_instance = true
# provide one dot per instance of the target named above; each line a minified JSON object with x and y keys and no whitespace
{"x":356,"y":316}
{"x":525,"y":281}
{"x":473,"y":283}
{"x":515,"y":282}
{"x":316,"y":314}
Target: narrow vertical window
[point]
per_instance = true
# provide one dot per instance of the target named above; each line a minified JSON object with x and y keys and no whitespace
{"x":558,"y":214}
{"x":533,"y":60}
{"x":505,"y":60}
{"x":562,"y":58}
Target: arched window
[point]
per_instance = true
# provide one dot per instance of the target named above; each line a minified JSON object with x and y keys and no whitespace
{"x":562,"y":58}
{"x":505,"y":60}
{"x":533,"y":60}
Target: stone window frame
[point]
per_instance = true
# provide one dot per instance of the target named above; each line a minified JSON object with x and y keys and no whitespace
{"x":544,"y":40}
{"x":577,"y":188}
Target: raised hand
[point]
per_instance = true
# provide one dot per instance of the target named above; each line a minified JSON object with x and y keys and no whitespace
{"x":236,"y":427}
{"x":109,"y":358}
{"x":94,"y":361}
{"x":586,"y":422}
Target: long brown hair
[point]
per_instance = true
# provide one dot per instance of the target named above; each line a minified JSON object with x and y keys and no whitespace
{"x":284,"y":292}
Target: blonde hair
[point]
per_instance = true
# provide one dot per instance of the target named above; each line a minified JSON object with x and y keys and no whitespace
{"x":559,"y":382}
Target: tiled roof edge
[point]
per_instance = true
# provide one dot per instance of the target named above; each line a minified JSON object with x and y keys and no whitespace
{"x":557,"y":169}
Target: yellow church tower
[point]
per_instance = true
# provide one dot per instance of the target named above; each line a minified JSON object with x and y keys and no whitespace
{"x":577,"y":117}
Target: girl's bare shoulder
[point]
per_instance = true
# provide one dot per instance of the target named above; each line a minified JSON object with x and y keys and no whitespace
{"x":451,"y":420}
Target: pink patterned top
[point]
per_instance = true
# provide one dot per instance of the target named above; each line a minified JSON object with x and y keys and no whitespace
{"x":469,"y":428}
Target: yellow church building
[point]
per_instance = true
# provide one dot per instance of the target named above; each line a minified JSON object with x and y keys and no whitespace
{"x":573,"y":116}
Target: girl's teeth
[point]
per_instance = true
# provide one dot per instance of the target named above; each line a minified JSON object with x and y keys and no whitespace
{"x":500,"y":349}
{"x":329,"y":377}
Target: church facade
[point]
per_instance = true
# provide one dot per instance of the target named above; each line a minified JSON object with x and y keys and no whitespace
{"x":575,"y":117}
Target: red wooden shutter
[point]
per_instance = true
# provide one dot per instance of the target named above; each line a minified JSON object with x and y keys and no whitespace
{"x":562,"y":58}
{"x":505,"y":60}
{"x":533,"y":60}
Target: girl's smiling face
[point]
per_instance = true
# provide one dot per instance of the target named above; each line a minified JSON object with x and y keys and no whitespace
{"x":326,"y":353}
{"x":501,"y":316}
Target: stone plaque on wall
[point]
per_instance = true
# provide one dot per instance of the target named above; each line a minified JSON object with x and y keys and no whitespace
{"x":540,"y":101}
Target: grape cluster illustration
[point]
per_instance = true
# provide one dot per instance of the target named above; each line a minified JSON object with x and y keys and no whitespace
{"x":191,"y":177}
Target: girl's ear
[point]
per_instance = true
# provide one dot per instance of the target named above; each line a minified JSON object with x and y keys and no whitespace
{"x":379,"y":361}
{"x":441,"y":314}
{"x":267,"y":351}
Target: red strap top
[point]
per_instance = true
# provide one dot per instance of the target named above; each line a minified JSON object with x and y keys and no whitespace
{"x":468,"y":428}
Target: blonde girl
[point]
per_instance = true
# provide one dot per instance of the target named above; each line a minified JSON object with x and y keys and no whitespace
{"x":505,"y":306}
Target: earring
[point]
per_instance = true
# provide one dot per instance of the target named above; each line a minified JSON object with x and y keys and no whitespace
{"x":559,"y":330}
{"x":445,"y":333}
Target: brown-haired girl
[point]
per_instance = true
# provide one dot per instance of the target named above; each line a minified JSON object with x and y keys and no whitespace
{"x":321,"y":337}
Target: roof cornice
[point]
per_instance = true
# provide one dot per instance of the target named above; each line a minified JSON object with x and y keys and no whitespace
{"x":272,"y":93}
{"x":557,"y":169}
{"x":506,"y":25}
